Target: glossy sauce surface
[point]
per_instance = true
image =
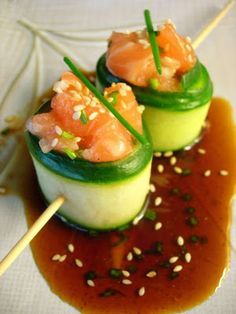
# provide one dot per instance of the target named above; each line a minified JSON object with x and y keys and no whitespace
{"x":204,"y":229}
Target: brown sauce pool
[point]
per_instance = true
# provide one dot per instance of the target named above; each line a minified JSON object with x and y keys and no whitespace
{"x":193,"y":206}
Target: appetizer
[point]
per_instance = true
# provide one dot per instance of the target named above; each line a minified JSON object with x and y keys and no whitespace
{"x":176,"y":92}
{"x":80,"y":150}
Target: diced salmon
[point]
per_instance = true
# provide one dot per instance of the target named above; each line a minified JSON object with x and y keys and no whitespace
{"x":129,"y":57}
{"x":101,"y":137}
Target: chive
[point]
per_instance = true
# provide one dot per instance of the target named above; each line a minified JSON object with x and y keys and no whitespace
{"x":165,"y":264}
{"x":114,"y":96}
{"x":192,"y":221}
{"x":186,"y":197}
{"x":150,"y":214}
{"x":158,"y":247}
{"x":186,"y":172}
{"x":101,"y":98}
{"x":194,"y":239}
{"x":153,"y":42}
{"x":175,"y":191}
{"x":153,"y":83}
{"x":123,"y":238}
{"x":108,"y":292}
{"x":131,"y":269}
{"x":90,"y":275}
{"x":115,"y":273}
{"x":83,"y":117}
{"x":67,"y":135}
{"x":190,"y":210}
{"x":70,"y":153}
{"x":138,"y":257}
{"x":174,"y":275}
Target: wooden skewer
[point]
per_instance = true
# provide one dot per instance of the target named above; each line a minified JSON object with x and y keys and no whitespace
{"x":30,"y":234}
{"x":212,"y":24}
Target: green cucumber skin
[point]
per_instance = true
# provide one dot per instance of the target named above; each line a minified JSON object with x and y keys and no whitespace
{"x":93,"y":205}
{"x":197,"y":89}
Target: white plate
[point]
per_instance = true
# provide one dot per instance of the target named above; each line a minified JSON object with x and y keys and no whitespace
{"x":22,"y":288}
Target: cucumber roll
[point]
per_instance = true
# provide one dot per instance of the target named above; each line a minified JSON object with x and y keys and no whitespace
{"x":80,"y":150}
{"x":176,"y":101}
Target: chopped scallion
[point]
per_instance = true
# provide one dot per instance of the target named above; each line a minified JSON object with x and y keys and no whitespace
{"x":150,"y":214}
{"x":67,"y":135}
{"x":153,"y":83}
{"x":115,"y":273}
{"x":83,"y":117}
{"x":70,"y":153}
{"x":114,"y":96}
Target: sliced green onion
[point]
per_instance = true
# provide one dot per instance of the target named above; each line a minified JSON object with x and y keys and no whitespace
{"x":153,"y":42}
{"x":115,"y":273}
{"x":70,"y":153}
{"x":192,"y":221}
{"x":158,"y":247}
{"x":153,"y":83}
{"x":90,"y":275}
{"x":114,"y":96}
{"x":150,"y":214}
{"x":100,"y":97}
{"x":83,"y":117}
{"x":67,"y":135}
{"x":108,"y":292}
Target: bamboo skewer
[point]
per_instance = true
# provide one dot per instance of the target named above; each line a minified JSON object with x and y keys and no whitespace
{"x":212,"y":24}
{"x":30,"y":234}
{"x":51,"y":210}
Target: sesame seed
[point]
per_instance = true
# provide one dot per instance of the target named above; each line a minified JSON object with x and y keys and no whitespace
{"x":158,"y":226}
{"x":2,"y":190}
{"x":188,"y":39}
{"x":102,"y":110}
{"x":190,"y":58}
{"x":123,"y":92}
{"x":105,"y":93}
{"x":78,"y":262}
{"x":173,"y":259}
{"x":78,"y":107}
{"x":90,"y":283}
{"x":54,"y":142}
{"x":77,"y":139}
{"x":158,"y":201}
{"x":158,"y":154}
{"x":78,"y":85}
{"x":126,"y":87}
{"x":62,"y":258}
{"x":188,"y":257}
{"x":59,"y":86}
{"x":129,"y":256}
{"x":180,"y":241}
{"x":137,"y":251}
{"x":178,"y":170}
{"x":76,"y":115}
{"x":93,"y":103}
{"x":86,"y":91}
{"x":70,"y":247}
{"x":141,"y":291}
{"x":113,"y":84}
{"x":201,"y":151}
{"x":141,"y":108}
{"x":127,"y":282}
{"x":168,"y":154}
{"x":56,"y":257}
{"x":160,"y":168}
{"x":151,"y":274}
{"x":93,"y":115}
{"x":223,"y":173}
{"x":188,"y":47}
{"x":87,"y":100}
{"x":58,"y":130}
{"x":125,"y":273}
{"x":207,"y":173}
{"x":152,"y":188}
{"x":173,"y":160}
{"x":177,"y":268}
{"x":143,"y":42}
{"x":111,"y":114}
{"x":110,"y":99}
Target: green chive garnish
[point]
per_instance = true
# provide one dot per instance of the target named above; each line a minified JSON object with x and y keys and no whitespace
{"x":90,"y":275}
{"x":190,"y":210}
{"x":194,"y":239}
{"x":150,"y":214}
{"x":70,"y":153}
{"x":192,"y":221}
{"x":153,"y":42}
{"x":153,"y":83}
{"x":100,"y":97}
{"x":115,"y":273}
{"x":67,"y":135}
{"x":114,"y":96}
{"x":108,"y":292}
{"x":83,"y":117}
{"x":186,"y":197}
{"x":158,"y":247}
